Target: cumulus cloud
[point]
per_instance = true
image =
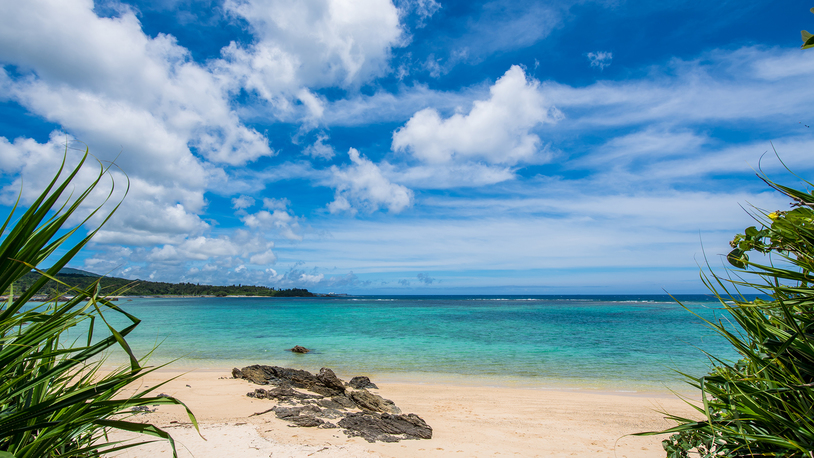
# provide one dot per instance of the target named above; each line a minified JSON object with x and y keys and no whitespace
{"x":600,"y":59}
{"x":320,"y":150}
{"x":95,"y":75}
{"x":276,"y":204}
{"x":424,"y":278}
{"x":166,"y":120}
{"x":242,"y":202}
{"x":311,"y":44}
{"x":287,"y":225}
{"x":497,"y":130}
{"x":201,"y":258}
{"x":362,"y":185}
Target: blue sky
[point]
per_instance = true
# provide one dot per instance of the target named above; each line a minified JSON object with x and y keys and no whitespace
{"x":412,"y":146}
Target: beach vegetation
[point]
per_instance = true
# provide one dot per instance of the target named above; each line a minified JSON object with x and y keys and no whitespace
{"x":763,"y":403}
{"x":125,"y":287}
{"x":57,"y":399}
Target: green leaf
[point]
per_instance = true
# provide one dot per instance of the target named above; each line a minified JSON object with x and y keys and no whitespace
{"x":737,"y":257}
{"x":808,"y":40}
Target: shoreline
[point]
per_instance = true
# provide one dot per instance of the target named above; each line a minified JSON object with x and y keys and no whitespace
{"x":476,"y":421}
{"x":603,"y":386}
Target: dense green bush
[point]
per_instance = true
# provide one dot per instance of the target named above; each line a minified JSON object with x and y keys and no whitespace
{"x":55,"y":401}
{"x":762,"y":404}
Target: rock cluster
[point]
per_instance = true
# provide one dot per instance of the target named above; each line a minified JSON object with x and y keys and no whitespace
{"x":361,"y":412}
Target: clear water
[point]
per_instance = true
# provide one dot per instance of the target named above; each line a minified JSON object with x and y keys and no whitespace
{"x":598,"y":341}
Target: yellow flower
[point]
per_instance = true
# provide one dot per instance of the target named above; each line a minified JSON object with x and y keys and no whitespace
{"x":774,"y":215}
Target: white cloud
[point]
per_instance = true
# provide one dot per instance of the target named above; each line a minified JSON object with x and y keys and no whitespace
{"x":267,"y":257}
{"x":320,"y":150}
{"x":503,"y":26}
{"x":242,"y":202}
{"x":287,"y":225}
{"x":137,"y":99}
{"x":95,"y":75}
{"x":600,"y":59}
{"x":424,"y":9}
{"x":276,"y":204}
{"x":497,"y":130}
{"x":362,"y":186}
{"x":447,"y":176}
{"x":720,"y":86}
{"x":312,"y":44}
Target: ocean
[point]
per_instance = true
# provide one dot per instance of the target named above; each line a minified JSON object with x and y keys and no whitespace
{"x":594,"y":342}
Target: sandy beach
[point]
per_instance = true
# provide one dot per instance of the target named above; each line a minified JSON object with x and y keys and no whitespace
{"x":467,"y":421}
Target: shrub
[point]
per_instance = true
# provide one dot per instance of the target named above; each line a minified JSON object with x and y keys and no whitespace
{"x":55,"y":400}
{"x":763,"y":404}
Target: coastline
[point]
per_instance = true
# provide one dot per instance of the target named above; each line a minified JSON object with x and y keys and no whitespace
{"x":474,"y":419}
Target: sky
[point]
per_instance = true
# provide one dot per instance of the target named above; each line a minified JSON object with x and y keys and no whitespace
{"x":410,"y":146}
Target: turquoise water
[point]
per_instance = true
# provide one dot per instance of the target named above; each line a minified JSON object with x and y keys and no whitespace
{"x":597,"y":341}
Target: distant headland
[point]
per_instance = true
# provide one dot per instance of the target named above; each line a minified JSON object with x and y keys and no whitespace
{"x":115,"y":286}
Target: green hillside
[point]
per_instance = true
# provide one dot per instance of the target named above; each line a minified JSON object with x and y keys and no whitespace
{"x":124,"y":287}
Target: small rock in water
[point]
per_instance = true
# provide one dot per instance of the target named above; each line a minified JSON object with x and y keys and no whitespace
{"x":299,"y":349}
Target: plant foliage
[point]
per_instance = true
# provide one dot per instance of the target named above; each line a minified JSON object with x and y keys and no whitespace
{"x":55,"y":401}
{"x":126,"y":287}
{"x":763,"y":404}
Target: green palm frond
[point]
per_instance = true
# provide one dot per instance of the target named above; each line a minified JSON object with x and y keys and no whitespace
{"x":54,"y":399}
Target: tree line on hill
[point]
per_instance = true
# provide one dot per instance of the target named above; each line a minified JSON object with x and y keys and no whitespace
{"x":124,"y":287}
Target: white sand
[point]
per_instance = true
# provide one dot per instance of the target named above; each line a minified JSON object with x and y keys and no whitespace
{"x":467,"y":421}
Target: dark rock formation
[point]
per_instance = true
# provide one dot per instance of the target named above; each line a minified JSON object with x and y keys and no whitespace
{"x":283,"y":393}
{"x":380,"y":419}
{"x":385,"y":427}
{"x":301,"y":416}
{"x":373,"y":402}
{"x":289,"y":412}
{"x":325,"y":383}
{"x":328,"y":379}
{"x":344,"y":401}
{"x":361,"y":382}
{"x":331,"y":404}
{"x":298,"y":349}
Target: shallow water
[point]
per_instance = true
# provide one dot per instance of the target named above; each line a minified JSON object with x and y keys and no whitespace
{"x":615,"y":342}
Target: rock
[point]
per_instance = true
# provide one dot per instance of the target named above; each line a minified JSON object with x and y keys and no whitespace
{"x":288,"y":412}
{"x":330,"y":380}
{"x":332,"y":413}
{"x":385,"y":427}
{"x":373,"y":402}
{"x":331,"y":404}
{"x":298,"y":349}
{"x":282,"y":393}
{"x":344,"y":401}
{"x":306,"y":421}
{"x":380,"y":420}
{"x":300,"y":416}
{"x":361,"y":382}
{"x":280,"y":376}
